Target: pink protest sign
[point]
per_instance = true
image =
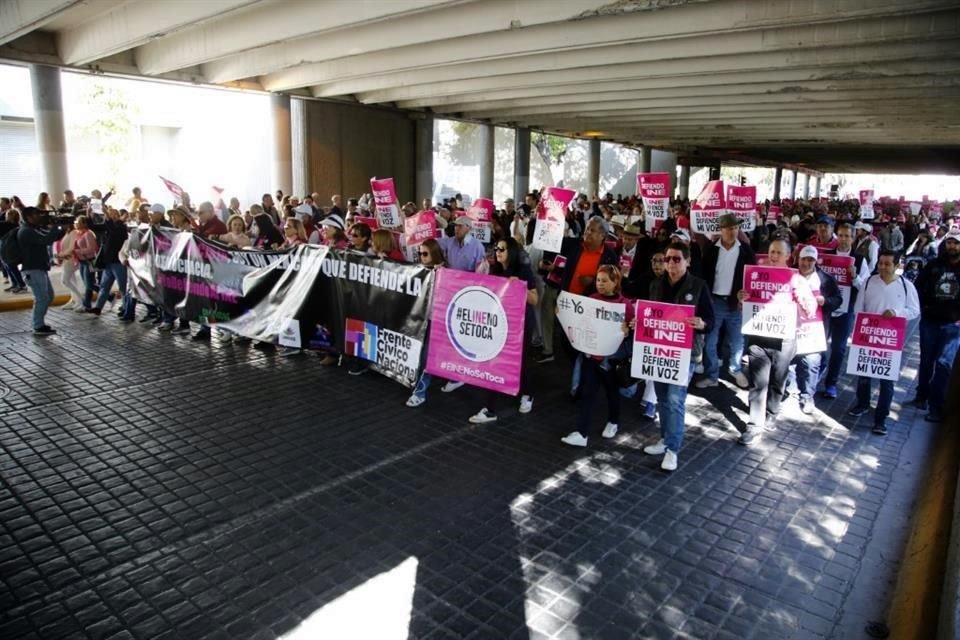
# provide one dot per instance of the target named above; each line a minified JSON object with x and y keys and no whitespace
{"x":476,"y":330}
{"x":420,"y":227}
{"x":654,"y":190}
{"x":370,"y":222}
{"x":551,"y":218}
{"x":662,"y":342}
{"x":742,"y":202}
{"x":773,"y":213}
{"x":385,"y":198}
{"x":866,"y":204}
{"x":877,"y":346}
{"x":811,"y":333}
{"x":481,"y":212}
{"x":769,"y":310}
{"x":707,"y":208}
{"x":839,"y":268}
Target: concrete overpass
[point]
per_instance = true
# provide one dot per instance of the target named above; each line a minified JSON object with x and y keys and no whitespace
{"x":858,"y":85}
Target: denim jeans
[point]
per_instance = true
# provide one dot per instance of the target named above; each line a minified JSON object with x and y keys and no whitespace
{"x":671,"y":406}
{"x":768,"y":377}
{"x":548,"y":316}
{"x":934,"y":339}
{"x":883,"y":402}
{"x":948,"y":341}
{"x":13,"y":272}
{"x":112,"y":272}
{"x":88,"y":277}
{"x":808,"y":374}
{"x":39,"y":282}
{"x":732,"y":320}
{"x":840,"y":327}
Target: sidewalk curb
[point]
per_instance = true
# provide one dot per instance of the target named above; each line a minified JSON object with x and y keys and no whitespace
{"x":925,"y":581}
{"x":27,"y":302}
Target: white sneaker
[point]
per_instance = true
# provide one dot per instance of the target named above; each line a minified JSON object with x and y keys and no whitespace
{"x":483,"y":416}
{"x":415,"y":400}
{"x":574,"y":439}
{"x":706,"y":383}
{"x":610,"y":430}
{"x":741,"y":379}
{"x":451,"y":386}
{"x":526,"y":404}
{"x":669,"y":461}
{"x":655,"y":449}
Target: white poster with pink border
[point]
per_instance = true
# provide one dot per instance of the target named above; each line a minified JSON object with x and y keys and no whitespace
{"x":769,"y":310}
{"x":654,"y":190}
{"x":866,"y":204}
{"x":552,"y":218}
{"x":877,"y":346}
{"x":839,"y":268}
{"x":385,"y":202}
{"x":662,"y":342}
{"x":742,"y":202}
{"x":706,"y":210}
{"x":481,"y":213}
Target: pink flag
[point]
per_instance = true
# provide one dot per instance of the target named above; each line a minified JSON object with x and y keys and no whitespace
{"x":476,"y":330}
{"x":420,"y":227}
{"x":707,"y":209}
{"x":173,"y":188}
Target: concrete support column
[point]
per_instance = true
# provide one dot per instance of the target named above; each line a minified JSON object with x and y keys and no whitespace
{"x":806,"y":186}
{"x":282,"y":143}
{"x":816,"y":187}
{"x":646,"y":157}
{"x":48,"y":125}
{"x":683,"y":189}
{"x":793,"y":184}
{"x":424,"y":158}
{"x":521,"y":164}
{"x":665,"y":162}
{"x":593,"y":168}
{"x":300,"y":148}
{"x":777,"y":181}
{"x":486,"y":160}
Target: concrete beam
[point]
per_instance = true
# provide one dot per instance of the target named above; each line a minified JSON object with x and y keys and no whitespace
{"x":133,"y":24}
{"x":19,"y":17}
{"x":445,"y":20}
{"x":812,"y":90}
{"x":620,"y":63}
{"x":267,"y":25}
{"x":572,"y":44}
{"x":282,"y":142}
{"x":521,"y":164}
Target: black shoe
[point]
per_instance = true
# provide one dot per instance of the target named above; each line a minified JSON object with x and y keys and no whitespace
{"x":357,"y":369}
{"x":126,"y":320}
{"x":920,"y":403}
{"x":933,"y":416}
{"x":148,"y":319}
{"x":544,"y":358}
{"x":92,"y":310}
{"x":880,"y":429}
{"x":44,"y":331}
{"x":157,"y":320}
{"x":201,"y":335}
{"x":858,"y":411}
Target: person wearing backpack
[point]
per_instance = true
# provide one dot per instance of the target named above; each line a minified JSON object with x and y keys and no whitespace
{"x":30,"y":247}
{"x":892,"y":296}
{"x":8,"y":227}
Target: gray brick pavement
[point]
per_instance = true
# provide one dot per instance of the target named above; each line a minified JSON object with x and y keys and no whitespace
{"x":157,"y":488}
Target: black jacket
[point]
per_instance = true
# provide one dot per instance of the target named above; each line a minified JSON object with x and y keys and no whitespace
{"x":746,"y":257}
{"x":938,"y":287}
{"x":571,"y":249}
{"x":33,"y":243}
{"x":830,"y":291}
{"x":690,"y":291}
{"x":112,"y":235}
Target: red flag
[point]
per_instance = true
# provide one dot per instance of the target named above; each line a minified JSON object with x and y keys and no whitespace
{"x":173,"y":188}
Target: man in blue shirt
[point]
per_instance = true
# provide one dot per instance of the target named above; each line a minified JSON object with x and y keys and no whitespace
{"x":463,"y":252}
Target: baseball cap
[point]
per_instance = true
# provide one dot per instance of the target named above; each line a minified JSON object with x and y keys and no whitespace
{"x":809,"y":252}
{"x":863,"y":226}
{"x":953,"y":234}
{"x":156,"y":207}
{"x":683,"y":234}
{"x":333,"y":221}
{"x":826,"y":220}
{"x":465,"y":221}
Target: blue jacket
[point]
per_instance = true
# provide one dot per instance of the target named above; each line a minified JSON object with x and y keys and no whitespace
{"x":33,"y":243}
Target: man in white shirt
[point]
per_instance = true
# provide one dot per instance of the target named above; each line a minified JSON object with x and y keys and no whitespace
{"x":892,"y":296}
{"x":841,"y":320}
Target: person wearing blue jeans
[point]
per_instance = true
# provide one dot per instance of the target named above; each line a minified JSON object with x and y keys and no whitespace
{"x":828,"y":296}
{"x":676,"y":286}
{"x":113,"y":272}
{"x":723,"y":264}
{"x":114,"y":231}
{"x":33,"y":239}
{"x":938,"y":287}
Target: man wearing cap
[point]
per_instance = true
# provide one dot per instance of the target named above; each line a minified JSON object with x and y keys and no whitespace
{"x":827,"y":293}
{"x":892,"y":296}
{"x":891,"y":238}
{"x":939,"y":289}
{"x":723,"y":271}
{"x":462,"y":251}
{"x":34,"y":239}
{"x":824,"y":239}
{"x":866,"y":244}
{"x":841,"y":320}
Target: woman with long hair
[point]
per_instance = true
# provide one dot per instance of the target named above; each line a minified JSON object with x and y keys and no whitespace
{"x":430,"y":255}
{"x":293,"y":233}
{"x":511,"y":262}
{"x":265,"y":233}
{"x":361,"y":237}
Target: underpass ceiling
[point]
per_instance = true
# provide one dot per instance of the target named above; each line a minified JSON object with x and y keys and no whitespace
{"x":858,"y":85}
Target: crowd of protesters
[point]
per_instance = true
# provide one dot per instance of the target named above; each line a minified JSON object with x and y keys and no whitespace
{"x":905,"y":265}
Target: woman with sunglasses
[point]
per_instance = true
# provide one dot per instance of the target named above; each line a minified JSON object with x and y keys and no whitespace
{"x":511,"y":262}
{"x":431,"y":256}
{"x":360,"y":238}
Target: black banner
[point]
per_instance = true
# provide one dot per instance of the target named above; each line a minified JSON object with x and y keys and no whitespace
{"x":309,"y":297}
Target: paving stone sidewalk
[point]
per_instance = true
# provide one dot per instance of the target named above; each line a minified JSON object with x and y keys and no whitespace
{"x":155,"y":487}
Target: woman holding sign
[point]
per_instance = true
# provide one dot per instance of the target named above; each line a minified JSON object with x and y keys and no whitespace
{"x":512,"y":263}
{"x":769,"y":358}
{"x":677,"y":286}
{"x":598,"y":372}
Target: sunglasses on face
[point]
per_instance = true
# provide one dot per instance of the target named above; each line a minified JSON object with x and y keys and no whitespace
{"x":674,"y":259}
{"x":424,"y":254}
